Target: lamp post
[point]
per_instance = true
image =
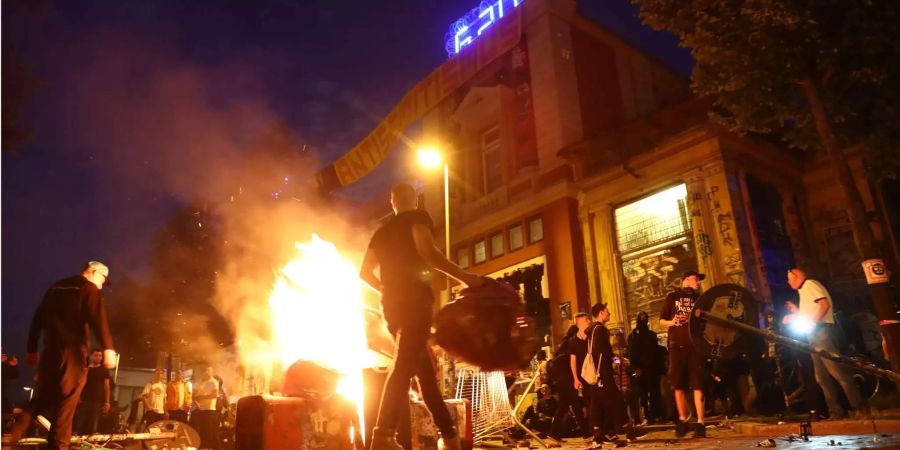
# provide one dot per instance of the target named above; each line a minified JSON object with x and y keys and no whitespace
{"x":431,"y":158}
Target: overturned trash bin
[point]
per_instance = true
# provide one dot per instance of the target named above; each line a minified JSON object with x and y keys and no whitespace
{"x":489,"y":328}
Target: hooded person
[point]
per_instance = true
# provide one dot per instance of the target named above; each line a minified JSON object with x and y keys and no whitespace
{"x":648,"y":365}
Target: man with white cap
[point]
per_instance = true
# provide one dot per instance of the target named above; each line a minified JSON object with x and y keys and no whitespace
{"x":71,"y":308}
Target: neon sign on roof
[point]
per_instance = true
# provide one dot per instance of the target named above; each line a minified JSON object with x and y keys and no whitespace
{"x":467,"y":28}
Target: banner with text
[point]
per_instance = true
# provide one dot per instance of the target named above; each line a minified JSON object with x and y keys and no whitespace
{"x":427,"y":94}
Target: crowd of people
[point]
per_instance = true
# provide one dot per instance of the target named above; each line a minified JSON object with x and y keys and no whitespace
{"x":599,"y":384}
{"x":636,"y":381}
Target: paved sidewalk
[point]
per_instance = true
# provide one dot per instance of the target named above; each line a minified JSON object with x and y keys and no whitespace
{"x":729,"y":439}
{"x":880,"y":432}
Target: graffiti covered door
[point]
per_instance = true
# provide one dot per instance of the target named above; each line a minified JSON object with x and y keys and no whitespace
{"x":655,"y":245}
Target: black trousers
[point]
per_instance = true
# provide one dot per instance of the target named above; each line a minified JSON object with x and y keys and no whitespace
{"x":650,"y":397}
{"x":152,"y":416}
{"x":61,"y":374}
{"x":87,"y":417}
{"x":568,"y":401}
{"x":608,"y":414}
{"x":207,"y":425}
{"x":179,"y":415}
{"x":410,"y":323}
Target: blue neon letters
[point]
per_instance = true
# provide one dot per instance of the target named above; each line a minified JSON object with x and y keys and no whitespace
{"x":465,"y":30}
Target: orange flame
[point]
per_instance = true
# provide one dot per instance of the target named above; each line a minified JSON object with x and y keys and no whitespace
{"x":317,"y":315}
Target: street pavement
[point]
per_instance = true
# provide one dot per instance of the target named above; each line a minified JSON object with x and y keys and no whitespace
{"x":881,"y":432}
{"x":730,"y":439}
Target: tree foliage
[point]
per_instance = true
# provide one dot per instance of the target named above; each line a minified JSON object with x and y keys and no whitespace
{"x":753,"y":55}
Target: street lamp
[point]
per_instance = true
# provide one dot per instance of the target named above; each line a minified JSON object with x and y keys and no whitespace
{"x":431,"y":158}
{"x":30,"y":392}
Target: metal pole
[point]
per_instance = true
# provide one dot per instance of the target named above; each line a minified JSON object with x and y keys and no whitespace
{"x":772,"y":336}
{"x":534,"y":378}
{"x":447,"y":223}
{"x":116,"y":376}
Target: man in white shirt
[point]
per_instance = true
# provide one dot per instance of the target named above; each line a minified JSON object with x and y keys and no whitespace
{"x":205,"y":419}
{"x":154,"y":398}
{"x":817,"y":308}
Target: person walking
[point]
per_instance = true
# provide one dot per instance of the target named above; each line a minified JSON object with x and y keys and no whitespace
{"x":608,"y":414}
{"x":70,"y":310}
{"x":404,"y":250}
{"x":685,"y":365}
{"x":817,"y":313}
{"x":567,"y":382}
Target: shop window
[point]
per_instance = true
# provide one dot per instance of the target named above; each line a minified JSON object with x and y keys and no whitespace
{"x":462,"y":257}
{"x":654,"y":241}
{"x":496,"y":245}
{"x":480,"y":252}
{"x":535,"y":230}
{"x":652,"y":220}
{"x":515,"y":238}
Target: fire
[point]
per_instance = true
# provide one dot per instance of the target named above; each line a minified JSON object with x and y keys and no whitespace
{"x":317,"y":315}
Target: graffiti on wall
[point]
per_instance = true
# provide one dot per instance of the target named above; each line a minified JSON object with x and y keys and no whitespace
{"x":649,"y":278}
{"x":727,"y":233}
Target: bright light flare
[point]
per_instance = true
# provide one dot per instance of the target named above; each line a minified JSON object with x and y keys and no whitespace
{"x":802,"y":325}
{"x":430,"y":158}
{"x":317,"y":315}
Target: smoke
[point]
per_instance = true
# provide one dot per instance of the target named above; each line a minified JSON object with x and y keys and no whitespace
{"x":160,"y":126}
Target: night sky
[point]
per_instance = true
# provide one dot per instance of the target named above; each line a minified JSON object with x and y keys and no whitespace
{"x":139,"y":101}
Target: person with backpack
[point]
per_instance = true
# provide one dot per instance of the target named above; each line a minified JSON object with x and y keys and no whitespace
{"x":608,"y":414}
{"x":560,"y":371}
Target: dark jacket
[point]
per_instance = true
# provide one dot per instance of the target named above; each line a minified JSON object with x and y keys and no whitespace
{"x":601,"y":346}
{"x":71,"y":308}
{"x":645,"y":352}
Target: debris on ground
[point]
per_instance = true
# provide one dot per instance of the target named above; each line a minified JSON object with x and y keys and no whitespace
{"x":766,"y":443}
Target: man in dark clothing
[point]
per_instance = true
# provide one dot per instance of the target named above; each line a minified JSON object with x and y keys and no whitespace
{"x":608,"y":414}
{"x":94,"y":396}
{"x":648,"y":365}
{"x":404,"y":250}
{"x":567,"y":376}
{"x":539,"y":416}
{"x":685,"y":365}
{"x":70,"y":310}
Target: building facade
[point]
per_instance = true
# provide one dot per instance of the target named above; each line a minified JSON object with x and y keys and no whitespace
{"x":582,"y":170}
{"x":514,"y":207}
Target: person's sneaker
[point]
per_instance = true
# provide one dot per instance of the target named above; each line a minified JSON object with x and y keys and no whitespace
{"x":612,"y":438}
{"x":632,"y":435}
{"x":681,"y":429}
{"x":556,"y":438}
{"x":386,"y":439}
{"x":452,"y":443}
{"x":699,"y":430}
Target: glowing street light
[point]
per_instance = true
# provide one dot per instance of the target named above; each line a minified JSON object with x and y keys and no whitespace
{"x":431,"y":158}
{"x":30,"y":392}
